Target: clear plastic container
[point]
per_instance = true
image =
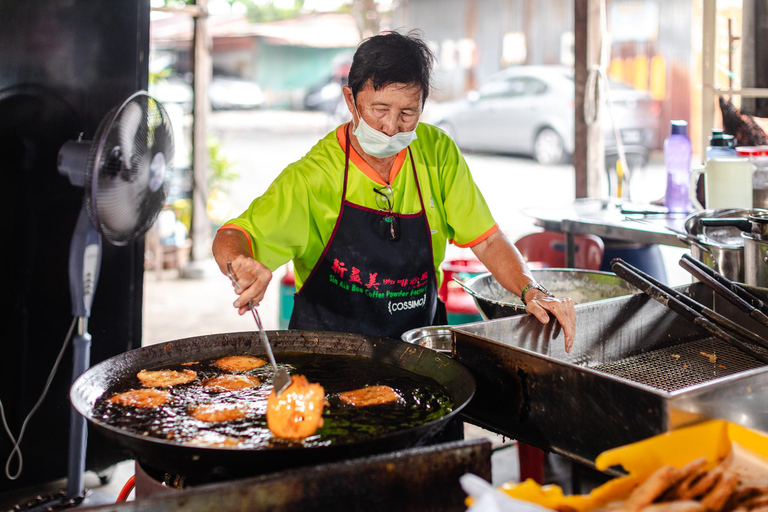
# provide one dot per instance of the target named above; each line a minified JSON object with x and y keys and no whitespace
{"x":758,"y":155}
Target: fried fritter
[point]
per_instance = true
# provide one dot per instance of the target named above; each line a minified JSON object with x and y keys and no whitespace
{"x":142,"y":398}
{"x":214,"y":413}
{"x":239,"y":363}
{"x":215,"y":440}
{"x":371,"y":395}
{"x":297,"y":412}
{"x":230,"y":383}
{"x":165,"y":378}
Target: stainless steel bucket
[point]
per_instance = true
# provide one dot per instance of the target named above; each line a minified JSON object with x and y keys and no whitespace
{"x":583,"y":286}
{"x":436,"y":337}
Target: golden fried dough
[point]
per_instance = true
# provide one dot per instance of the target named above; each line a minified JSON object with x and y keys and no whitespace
{"x":297,"y":412}
{"x":142,"y":398}
{"x":165,"y":378}
{"x":371,"y":395}
{"x":652,"y":488}
{"x":213,"y":413}
{"x":230,"y":382}
{"x":216,"y":440}
{"x":721,"y":492}
{"x":239,"y":363}
{"x":676,"y":506}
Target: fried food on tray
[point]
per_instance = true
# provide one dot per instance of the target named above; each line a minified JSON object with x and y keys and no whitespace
{"x":371,"y":395}
{"x":230,"y":383}
{"x":142,"y":398}
{"x":647,"y":492}
{"x":214,"y":413}
{"x":693,"y":488}
{"x":239,"y":363}
{"x":215,"y":440}
{"x":676,"y":506}
{"x":297,"y":412}
{"x":165,"y":378}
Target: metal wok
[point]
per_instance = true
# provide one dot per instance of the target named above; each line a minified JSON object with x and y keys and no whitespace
{"x":210,"y":464}
{"x":581,"y":285}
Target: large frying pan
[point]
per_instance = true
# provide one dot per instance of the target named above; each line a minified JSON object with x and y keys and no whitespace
{"x":209,"y":464}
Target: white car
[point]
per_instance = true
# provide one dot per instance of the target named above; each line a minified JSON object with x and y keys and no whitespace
{"x":224,"y":92}
{"x":529,"y":110}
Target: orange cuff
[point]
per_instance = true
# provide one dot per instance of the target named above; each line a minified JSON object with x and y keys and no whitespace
{"x":479,"y":239}
{"x":238,"y":228}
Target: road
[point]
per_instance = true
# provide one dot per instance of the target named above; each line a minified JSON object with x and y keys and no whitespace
{"x":262,"y":143}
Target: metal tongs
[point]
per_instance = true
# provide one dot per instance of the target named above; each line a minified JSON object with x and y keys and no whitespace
{"x":280,"y":380}
{"x":691,"y":310}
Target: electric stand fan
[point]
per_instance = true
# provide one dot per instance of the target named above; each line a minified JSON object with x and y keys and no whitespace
{"x":126,"y":173}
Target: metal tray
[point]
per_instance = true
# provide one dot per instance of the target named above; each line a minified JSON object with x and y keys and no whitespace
{"x":636,"y":370}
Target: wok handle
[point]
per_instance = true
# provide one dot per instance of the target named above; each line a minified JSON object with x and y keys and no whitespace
{"x":631,"y":275}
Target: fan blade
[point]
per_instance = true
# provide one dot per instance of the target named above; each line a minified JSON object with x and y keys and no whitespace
{"x":128,"y":124}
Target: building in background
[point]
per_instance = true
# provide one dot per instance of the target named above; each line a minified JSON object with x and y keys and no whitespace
{"x":285,"y":58}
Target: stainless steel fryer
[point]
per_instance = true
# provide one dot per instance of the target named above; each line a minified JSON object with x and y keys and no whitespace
{"x":636,"y":369}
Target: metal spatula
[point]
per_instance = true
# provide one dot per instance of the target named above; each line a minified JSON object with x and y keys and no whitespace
{"x":280,"y":380}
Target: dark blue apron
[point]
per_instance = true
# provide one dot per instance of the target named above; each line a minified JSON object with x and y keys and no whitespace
{"x":366,"y":284}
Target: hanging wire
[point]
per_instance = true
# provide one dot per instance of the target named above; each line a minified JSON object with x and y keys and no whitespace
{"x":16,"y":451}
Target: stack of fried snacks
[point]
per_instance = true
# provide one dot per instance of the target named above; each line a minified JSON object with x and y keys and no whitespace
{"x":694,"y":488}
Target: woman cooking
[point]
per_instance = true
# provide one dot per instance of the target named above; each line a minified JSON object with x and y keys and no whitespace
{"x":366,"y":214}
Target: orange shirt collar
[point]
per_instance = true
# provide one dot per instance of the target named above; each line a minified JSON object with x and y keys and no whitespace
{"x":363,"y":165}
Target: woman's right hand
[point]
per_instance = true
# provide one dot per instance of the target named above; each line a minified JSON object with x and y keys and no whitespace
{"x":232,"y":246}
{"x":253,"y":278}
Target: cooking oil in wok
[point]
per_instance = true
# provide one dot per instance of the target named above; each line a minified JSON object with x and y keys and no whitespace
{"x":422,"y":400}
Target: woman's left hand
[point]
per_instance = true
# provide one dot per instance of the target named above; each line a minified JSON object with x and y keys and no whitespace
{"x":540,"y":305}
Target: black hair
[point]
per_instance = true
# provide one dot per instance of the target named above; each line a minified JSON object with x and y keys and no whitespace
{"x":392,"y":58}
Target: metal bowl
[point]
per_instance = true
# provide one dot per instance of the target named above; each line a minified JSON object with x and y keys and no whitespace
{"x":437,"y":337}
{"x":494,"y":301}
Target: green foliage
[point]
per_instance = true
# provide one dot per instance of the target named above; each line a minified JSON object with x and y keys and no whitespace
{"x":220,"y":173}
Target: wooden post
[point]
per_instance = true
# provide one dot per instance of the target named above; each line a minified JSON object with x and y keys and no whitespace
{"x":201,"y":224}
{"x":589,"y":149}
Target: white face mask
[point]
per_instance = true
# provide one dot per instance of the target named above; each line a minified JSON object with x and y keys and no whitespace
{"x":381,"y":145}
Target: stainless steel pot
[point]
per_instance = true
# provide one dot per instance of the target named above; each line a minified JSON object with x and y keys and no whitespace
{"x":719,"y":247}
{"x":752,"y":226}
{"x":755,"y":261}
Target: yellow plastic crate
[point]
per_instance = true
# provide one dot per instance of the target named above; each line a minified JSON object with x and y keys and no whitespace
{"x":711,"y":439}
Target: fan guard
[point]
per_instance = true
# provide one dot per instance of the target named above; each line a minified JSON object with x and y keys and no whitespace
{"x":128,"y":171}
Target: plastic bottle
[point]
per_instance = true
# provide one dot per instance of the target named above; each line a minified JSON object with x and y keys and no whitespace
{"x":758,"y":155}
{"x":677,"y":156}
{"x":720,"y":145}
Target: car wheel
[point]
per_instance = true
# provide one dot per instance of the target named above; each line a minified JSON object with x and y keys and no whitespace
{"x":548,"y":147}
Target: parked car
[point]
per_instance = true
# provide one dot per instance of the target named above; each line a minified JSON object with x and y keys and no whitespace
{"x":529,"y":110}
{"x":224,"y":92}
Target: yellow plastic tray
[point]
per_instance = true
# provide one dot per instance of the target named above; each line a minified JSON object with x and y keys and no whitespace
{"x":711,"y":439}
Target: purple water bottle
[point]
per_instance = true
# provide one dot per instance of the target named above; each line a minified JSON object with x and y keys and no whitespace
{"x":677,"y":156}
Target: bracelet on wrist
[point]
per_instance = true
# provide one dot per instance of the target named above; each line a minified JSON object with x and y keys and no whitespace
{"x":537,"y":286}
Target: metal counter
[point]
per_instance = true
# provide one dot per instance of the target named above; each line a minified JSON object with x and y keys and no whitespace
{"x":636,"y":370}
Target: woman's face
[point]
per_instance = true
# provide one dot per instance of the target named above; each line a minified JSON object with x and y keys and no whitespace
{"x":392,"y":109}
